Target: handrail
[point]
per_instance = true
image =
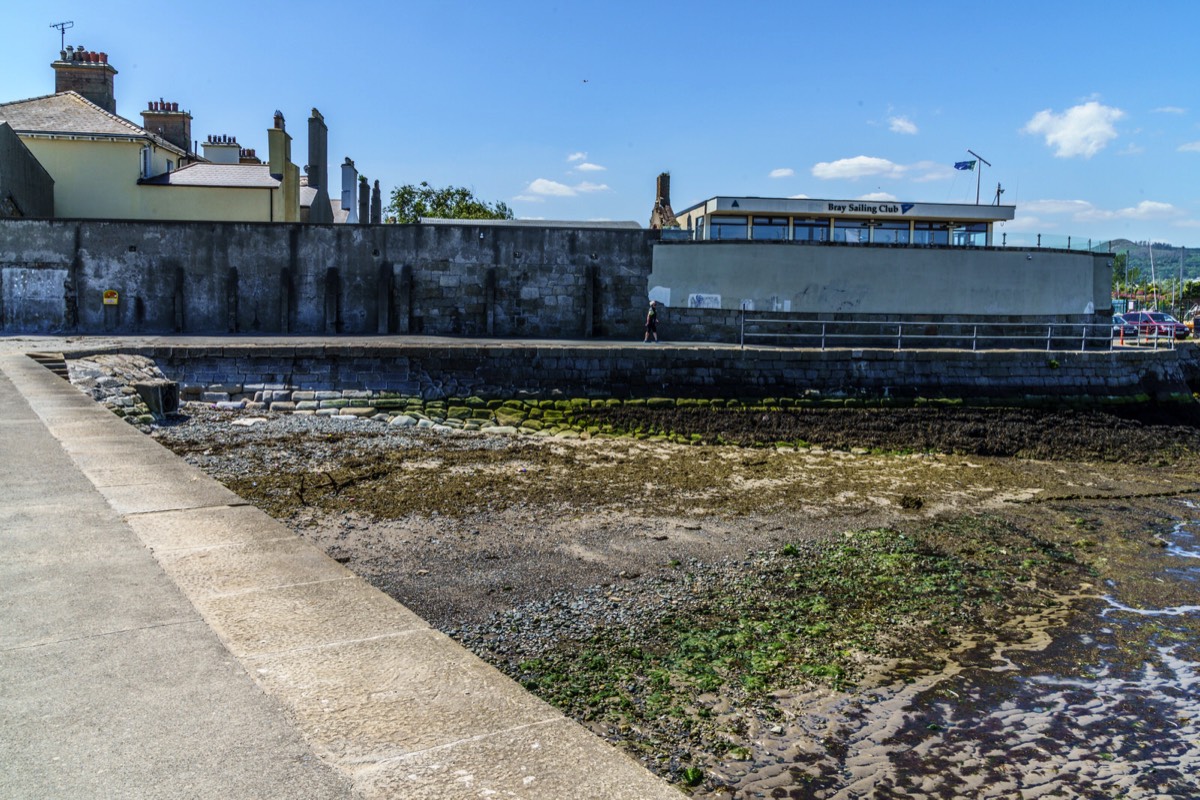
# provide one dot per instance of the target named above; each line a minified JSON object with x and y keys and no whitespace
{"x":972,"y":334}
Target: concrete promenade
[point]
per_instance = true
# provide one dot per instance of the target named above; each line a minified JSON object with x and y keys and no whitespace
{"x":161,"y":638}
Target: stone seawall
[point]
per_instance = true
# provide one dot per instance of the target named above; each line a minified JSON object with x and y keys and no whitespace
{"x":274,"y":374}
{"x":105,"y":277}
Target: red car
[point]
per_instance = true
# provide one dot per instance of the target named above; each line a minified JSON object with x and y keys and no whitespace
{"x":1156,"y":323}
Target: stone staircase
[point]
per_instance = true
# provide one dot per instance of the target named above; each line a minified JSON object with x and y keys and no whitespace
{"x":55,"y":362}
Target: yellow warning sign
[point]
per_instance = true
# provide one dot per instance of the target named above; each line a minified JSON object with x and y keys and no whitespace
{"x":111,"y":297}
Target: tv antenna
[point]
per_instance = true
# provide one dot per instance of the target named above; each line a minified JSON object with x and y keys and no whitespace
{"x":62,"y":29}
{"x":978,"y":173}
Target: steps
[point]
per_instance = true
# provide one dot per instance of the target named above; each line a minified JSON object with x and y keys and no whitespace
{"x":55,"y":362}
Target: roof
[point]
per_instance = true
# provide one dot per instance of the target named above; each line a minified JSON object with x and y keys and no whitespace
{"x":340,"y":215}
{"x":307,"y":196}
{"x":70,"y":113}
{"x":536,"y":223}
{"x":863,"y":209}
{"x":238,"y":176}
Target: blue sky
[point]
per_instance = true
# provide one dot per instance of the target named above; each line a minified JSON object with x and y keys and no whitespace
{"x":1089,"y":112}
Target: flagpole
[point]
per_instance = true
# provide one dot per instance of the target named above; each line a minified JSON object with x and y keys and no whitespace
{"x":979,"y":173}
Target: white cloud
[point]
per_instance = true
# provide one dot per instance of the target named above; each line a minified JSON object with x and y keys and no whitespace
{"x":587,"y":166}
{"x":1190,"y":147}
{"x":932,"y":171}
{"x":1170,"y":110}
{"x":1147,"y":209}
{"x":1026,"y":225}
{"x":877,"y":196}
{"x":549,"y":188}
{"x":577,"y":157}
{"x":1131,"y":149}
{"x":1187,"y":223}
{"x":542,"y":188}
{"x":870,"y":166}
{"x":527,"y":198}
{"x":782,"y":172}
{"x":1083,"y":211}
{"x":901,"y":125}
{"x":797,"y":197}
{"x":857,"y":167}
{"x":1081,"y":130}
{"x":1057,"y":206}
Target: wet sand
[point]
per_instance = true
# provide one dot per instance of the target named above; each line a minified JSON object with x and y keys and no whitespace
{"x":523,"y":548}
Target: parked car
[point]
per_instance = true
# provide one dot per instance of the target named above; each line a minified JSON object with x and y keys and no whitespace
{"x":1122,"y":327}
{"x":1156,"y":323}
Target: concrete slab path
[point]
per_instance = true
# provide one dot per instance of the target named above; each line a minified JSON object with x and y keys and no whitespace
{"x":161,"y":638}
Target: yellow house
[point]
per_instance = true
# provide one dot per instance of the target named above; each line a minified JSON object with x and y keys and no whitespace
{"x":105,"y":167}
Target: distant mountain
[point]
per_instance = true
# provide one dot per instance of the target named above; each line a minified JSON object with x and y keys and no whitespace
{"x":1166,"y":259}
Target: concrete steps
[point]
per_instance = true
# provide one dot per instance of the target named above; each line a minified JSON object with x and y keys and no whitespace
{"x":55,"y":362}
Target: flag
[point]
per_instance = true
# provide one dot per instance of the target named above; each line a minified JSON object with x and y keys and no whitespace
{"x":964,"y":165}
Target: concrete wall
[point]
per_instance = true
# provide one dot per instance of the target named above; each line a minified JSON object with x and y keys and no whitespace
{"x":438,"y":371}
{"x":503,"y":281}
{"x":323,"y":279}
{"x":26,"y":189}
{"x":815,"y":279}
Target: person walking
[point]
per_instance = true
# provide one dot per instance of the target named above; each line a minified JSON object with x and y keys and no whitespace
{"x":652,"y":323}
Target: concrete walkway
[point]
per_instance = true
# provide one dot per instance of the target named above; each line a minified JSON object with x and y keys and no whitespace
{"x":161,"y":638}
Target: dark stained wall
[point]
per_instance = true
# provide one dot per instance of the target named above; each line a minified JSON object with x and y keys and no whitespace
{"x":26,"y":189}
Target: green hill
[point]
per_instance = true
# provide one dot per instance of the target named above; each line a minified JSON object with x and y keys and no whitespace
{"x":1166,"y":260}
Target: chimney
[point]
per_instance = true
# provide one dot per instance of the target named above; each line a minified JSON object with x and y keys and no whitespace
{"x":376,"y":206}
{"x":662,"y":215}
{"x":364,"y":200}
{"x":318,"y":137}
{"x":170,"y":123}
{"x":349,"y":180}
{"x":223,"y":149}
{"x":663,"y":188}
{"x":89,"y":74}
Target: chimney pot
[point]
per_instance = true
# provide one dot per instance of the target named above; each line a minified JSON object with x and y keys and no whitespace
{"x":174,"y":106}
{"x":104,"y":58}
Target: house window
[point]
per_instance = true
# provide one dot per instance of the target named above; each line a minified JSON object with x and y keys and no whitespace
{"x":769,"y":229}
{"x":931,"y":233}
{"x":145,"y":162}
{"x":970,"y":235}
{"x":850,"y":231}
{"x":810,"y":230}
{"x":727,"y":228}
{"x":170,"y":165}
{"x":890,"y":233}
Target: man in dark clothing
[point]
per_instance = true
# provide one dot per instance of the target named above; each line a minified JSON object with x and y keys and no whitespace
{"x":652,"y":322}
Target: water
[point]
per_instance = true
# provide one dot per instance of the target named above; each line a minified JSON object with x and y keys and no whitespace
{"x":1100,"y":701}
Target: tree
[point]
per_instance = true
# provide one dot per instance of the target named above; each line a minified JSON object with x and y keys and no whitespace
{"x":410,"y":203}
{"x":1120,"y":275}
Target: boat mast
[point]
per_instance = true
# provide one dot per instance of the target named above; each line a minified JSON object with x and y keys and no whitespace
{"x":1153,"y":279}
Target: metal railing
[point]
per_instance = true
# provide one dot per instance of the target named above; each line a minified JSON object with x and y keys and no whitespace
{"x":962,"y":335}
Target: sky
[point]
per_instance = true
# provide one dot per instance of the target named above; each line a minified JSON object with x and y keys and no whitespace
{"x":1089,"y":113}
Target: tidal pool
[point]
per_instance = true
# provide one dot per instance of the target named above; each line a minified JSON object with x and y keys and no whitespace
{"x":1102,"y":701}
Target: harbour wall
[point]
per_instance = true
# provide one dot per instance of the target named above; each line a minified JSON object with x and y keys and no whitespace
{"x":497,"y":281}
{"x":217,"y":278}
{"x":443,"y":370}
